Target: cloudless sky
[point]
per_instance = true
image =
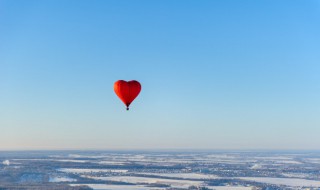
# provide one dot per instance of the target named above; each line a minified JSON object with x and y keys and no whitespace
{"x":216,"y":74}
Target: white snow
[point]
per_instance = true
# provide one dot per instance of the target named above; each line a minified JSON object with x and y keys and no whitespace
{"x":273,"y":158}
{"x":287,"y":162}
{"x":61,"y":179}
{"x":111,"y":162}
{"x":296,"y":175}
{"x":117,"y":187}
{"x":256,"y":166}
{"x":133,"y":179}
{"x":79,"y":171}
{"x":295,"y":182}
{"x":54,"y":160}
{"x":229,"y":188}
{"x":76,"y":161}
{"x":313,"y":160}
{"x":6,"y":162}
{"x":184,"y":175}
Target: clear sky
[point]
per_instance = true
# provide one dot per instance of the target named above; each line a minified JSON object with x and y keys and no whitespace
{"x":224,"y":74}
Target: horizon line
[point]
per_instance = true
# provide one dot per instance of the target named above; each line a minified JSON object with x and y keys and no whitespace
{"x":160,"y":150}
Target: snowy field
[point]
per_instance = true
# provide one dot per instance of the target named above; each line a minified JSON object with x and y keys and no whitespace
{"x":80,"y":171}
{"x":61,"y":179}
{"x":145,"y":180}
{"x":293,"y":182}
{"x":164,"y":170}
{"x":118,"y":187}
{"x":228,"y":188}
{"x":141,"y":187}
{"x":183,"y":175}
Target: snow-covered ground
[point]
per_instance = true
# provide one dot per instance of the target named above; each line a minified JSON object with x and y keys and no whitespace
{"x":296,"y":175}
{"x":141,"y":187}
{"x":54,"y":160}
{"x":229,"y":188}
{"x":256,"y":166}
{"x":287,"y":162}
{"x":313,"y":160}
{"x":107,"y":162}
{"x":61,"y":179}
{"x":147,"y":180}
{"x":6,"y":162}
{"x":80,"y":171}
{"x":184,"y":175}
{"x":294,"y":182}
{"x":118,"y":187}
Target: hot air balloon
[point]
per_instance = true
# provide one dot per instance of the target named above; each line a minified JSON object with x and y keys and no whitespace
{"x":127,"y":91}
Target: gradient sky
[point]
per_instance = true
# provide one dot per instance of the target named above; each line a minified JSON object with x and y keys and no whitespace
{"x":224,"y":74}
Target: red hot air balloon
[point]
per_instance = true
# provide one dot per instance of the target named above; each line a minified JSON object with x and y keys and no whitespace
{"x":127,"y":91}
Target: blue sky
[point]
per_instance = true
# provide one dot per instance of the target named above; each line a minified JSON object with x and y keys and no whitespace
{"x":215,"y":74}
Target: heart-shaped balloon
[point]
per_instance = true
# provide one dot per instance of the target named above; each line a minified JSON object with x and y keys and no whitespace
{"x":127,"y":91}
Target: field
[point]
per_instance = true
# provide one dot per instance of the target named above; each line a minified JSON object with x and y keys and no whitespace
{"x":159,"y":170}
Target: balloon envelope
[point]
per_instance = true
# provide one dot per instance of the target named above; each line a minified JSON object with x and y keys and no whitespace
{"x":127,"y":91}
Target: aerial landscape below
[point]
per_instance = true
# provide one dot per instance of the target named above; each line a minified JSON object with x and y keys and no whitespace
{"x":114,"y":170}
